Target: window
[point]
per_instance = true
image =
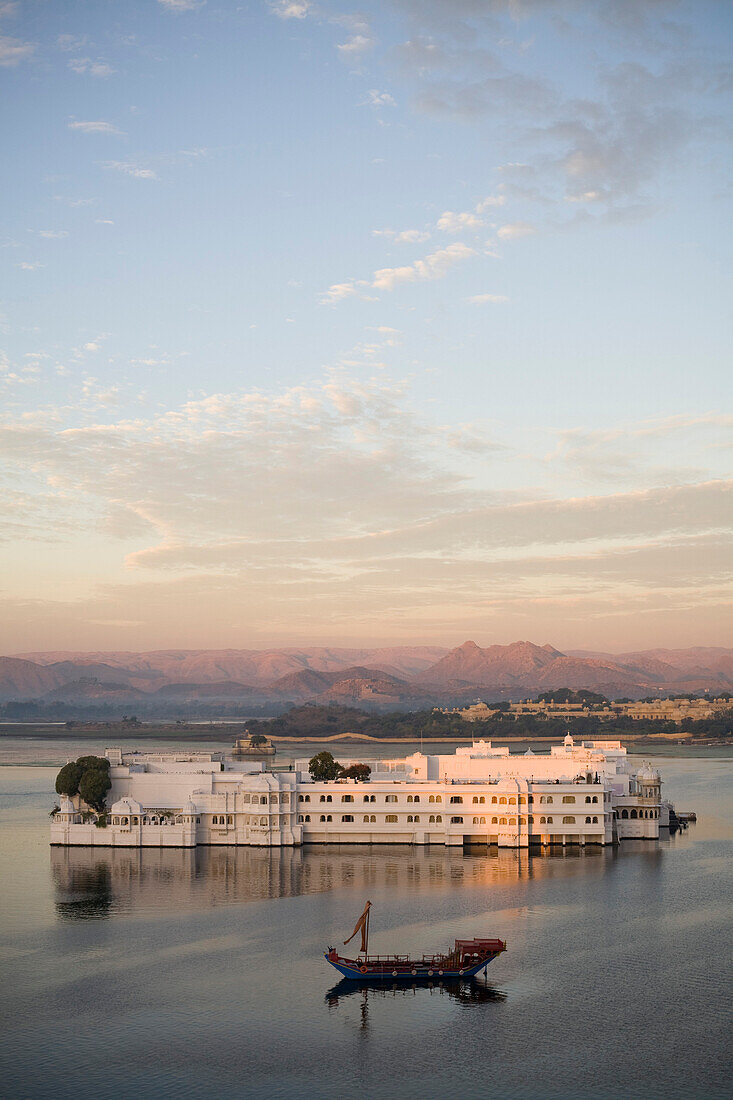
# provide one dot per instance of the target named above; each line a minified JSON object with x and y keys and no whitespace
{"x":307,"y":798}
{"x":475,"y":801}
{"x":530,"y":819}
{"x":512,"y":821}
{"x":568,"y":821}
{"x":300,"y":819}
{"x":502,"y":801}
{"x":543,"y":821}
{"x":482,"y":799}
{"x":347,"y":798}
{"x":587,"y":798}
{"x":409,"y":799}
{"x":522,"y":800}
{"x":328,"y":817}
{"x":595,"y":820}
{"x":568,"y":798}
{"x":432,"y":798}
{"x":493,"y":800}
{"x":409,"y":819}
{"x":633,"y":813}
{"x":531,"y":799}
{"x":475,"y":820}
{"x":549,"y":821}
{"x":230,"y":819}
{"x":328,"y":798}
{"x":549,"y":798}
{"x":438,"y":819}
{"x":347,"y":817}
{"x":512,"y":801}
{"x":502,"y":821}
{"x":624,"y":813}
{"x":263,"y":800}
{"x":373,"y":818}
{"x":366,"y":819}
{"x":390,"y":798}
{"x":595,"y":798}
{"x":495,"y":821}
{"x":587,"y":821}
{"x":482,"y":821}
{"x":456,"y":821}
{"x":323,"y":817}
{"x":417,"y":797}
{"x":323,"y":798}
{"x":245,"y":798}
{"x":456,"y":798}
{"x":431,"y":819}
{"x":307,"y":817}
{"x":391,"y":819}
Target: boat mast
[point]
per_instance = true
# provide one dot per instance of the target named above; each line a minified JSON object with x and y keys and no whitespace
{"x":366,"y":932}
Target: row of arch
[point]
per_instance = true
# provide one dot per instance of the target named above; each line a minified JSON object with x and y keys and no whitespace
{"x":645,"y":814}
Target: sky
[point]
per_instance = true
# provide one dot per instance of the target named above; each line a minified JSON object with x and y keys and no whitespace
{"x":392,"y":324}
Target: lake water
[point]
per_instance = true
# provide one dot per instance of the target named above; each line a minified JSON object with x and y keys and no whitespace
{"x":199,"y":974}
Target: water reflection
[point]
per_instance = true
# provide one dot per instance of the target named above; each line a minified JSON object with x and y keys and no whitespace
{"x":92,"y":883}
{"x":466,"y":993}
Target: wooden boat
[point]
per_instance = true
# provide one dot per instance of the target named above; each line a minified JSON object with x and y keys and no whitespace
{"x":467,"y":959}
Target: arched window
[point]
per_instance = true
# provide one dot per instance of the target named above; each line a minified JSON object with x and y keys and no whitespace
{"x":595,"y":797}
{"x":482,"y":821}
{"x":230,"y":819}
{"x":390,"y":798}
{"x":431,"y":819}
{"x":512,"y":821}
{"x":417,"y":798}
{"x":633,"y":813}
{"x":328,"y":817}
{"x":482,"y":799}
{"x":323,"y":817}
{"x":438,"y":819}
{"x":543,"y":821}
{"x":456,"y":821}
{"x":365,"y":798}
{"x":391,"y":819}
{"x":245,"y":798}
{"x":502,"y":801}
{"x":568,"y":798}
{"x":549,"y":798}
{"x":347,"y":798}
{"x":432,"y":798}
{"x":366,"y":819}
{"x":587,"y":798}
{"x":328,"y":798}
{"x":530,"y":819}
{"x":409,"y":799}
{"x":624,"y":813}
{"x":323,"y":798}
{"x":417,"y":819}
{"x":531,"y":799}
{"x":301,"y":798}
{"x":522,"y":820}
{"x":475,"y":799}
{"x":595,"y":820}
{"x":587,"y":821}
{"x":495,"y":821}
{"x":493,"y":800}
{"x":475,"y":821}
{"x":549,"y":821}
{"x":502,"y":821}
{"x":456,"y":798}
{"x":300,"y":819}
{"x":307,"y":817}
{"x":263,"y":821}
{"x":512,"y":801}
{"x":373,"y":818}
{"x":568,"y":821}
{"x":347,"y":817}
{"x":409,"y":819}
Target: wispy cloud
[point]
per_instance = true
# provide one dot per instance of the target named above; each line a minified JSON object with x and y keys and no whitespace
{"x":131,"y":169}
{"x":450,"y":222}
{"x":291,"y":9}
{"x":403,"y":236}
{"x":434,"y":266}
{"x":94,"y":127}
{"x":90,"y":66}
{"x":378,"y":99}
{"x":180,"y":6}
{"x":485,"y":299}
{"x":514,"y":230}
{"x":13,"y":51}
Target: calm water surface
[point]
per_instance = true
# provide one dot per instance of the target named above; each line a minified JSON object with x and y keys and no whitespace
{"x":199,"y":974}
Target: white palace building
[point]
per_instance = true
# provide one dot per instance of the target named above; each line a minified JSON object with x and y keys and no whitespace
{"x":590,"y":793}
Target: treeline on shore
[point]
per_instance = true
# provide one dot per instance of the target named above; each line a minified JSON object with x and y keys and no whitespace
{"x":319,"y":721}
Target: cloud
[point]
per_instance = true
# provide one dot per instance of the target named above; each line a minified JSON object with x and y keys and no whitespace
{"x":482,"y":299}
{"x":179,"y":6}
{"x":83,"y":65}
{"x":53,"y":234}
{"x":489,"y":202}
{"x":337,"y":292}
{"x":25,"y":266}
{"x":98,"y":127}
{"x":358,"y":43}
{"x":291,"y":9}
{"x":514,"y":230}
{"x":379,"y":99}
{"x":449,"y":222}
{"x":13,"y":51}
{"x":132,"y":169}
{"x":404,"y":236}
{"x":433,"y":266}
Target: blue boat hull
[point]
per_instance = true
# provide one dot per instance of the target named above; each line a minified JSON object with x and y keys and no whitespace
{"x":355,"y":973}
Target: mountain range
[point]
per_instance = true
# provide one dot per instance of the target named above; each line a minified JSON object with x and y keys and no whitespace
{"x":397,"y":676}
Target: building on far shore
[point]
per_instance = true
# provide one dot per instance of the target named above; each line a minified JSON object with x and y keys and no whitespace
{"x":667,"y":710}
{"x":591,"y":793}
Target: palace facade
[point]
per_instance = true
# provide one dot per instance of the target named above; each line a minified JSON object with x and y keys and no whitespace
{"x":591,"y":793}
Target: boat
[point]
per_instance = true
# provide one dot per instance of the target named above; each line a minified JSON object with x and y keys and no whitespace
{"x":465,"y":960}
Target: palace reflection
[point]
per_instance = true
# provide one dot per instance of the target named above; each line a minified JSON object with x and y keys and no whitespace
{"x":91,"y":883}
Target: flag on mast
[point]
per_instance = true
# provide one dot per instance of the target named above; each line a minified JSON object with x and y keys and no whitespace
{"x":361,"y":924}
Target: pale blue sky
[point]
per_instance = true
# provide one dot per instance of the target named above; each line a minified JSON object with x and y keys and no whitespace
{"x":406,"y":322}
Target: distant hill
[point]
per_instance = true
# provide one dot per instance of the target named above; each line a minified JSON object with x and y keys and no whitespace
{"x":380,"y":678}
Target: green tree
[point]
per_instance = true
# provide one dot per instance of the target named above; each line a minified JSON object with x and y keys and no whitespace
{"x":358,"y":771}
{"x":93,"y":787}
{"x":323,"y":766}
{"x":67,"y":781}
{"x":257,"y":739}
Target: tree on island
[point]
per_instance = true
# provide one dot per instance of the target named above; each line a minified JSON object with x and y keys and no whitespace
{"x":322,"y":766}
{"x":257,"y":739}
{"x":88,"y":777}
{"x":360,"y":772}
